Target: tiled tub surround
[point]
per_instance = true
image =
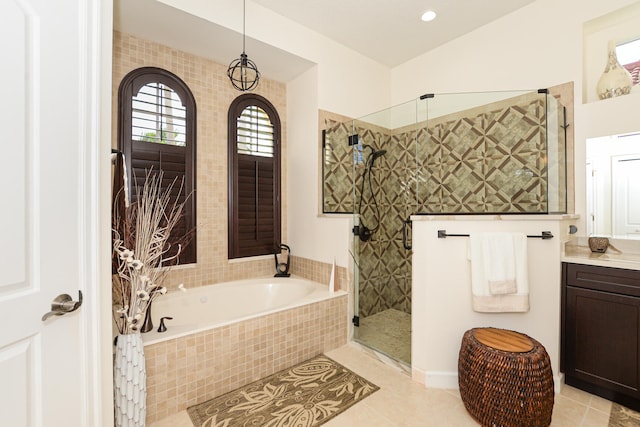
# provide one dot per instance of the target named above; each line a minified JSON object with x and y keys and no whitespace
{"x":207,"y":307}
{"x":319,"y":271}
{"x":194,"y":368}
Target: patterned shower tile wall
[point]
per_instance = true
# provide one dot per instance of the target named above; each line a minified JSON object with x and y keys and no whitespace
{"x":385,"y":270}
{"x":337,"y":168}
{"x":342,"y":167}
{"x":483,"y":160}
{"x":491,"y":159}
{"x":385,"y":267}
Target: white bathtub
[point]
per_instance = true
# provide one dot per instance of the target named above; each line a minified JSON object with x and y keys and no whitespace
{"x":207,"y":307}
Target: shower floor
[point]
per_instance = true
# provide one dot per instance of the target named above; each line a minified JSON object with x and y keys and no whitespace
{"x":388,"y":331}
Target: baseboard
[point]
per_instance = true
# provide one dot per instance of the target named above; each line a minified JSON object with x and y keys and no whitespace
{"x":418,"y":375}
{"x":558,"y":382}
{"x":439,"y":379}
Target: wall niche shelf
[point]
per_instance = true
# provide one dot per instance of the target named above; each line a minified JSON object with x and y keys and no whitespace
{"x":622,"y":25}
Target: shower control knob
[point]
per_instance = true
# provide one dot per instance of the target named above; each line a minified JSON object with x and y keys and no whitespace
{"x":364,"y":233}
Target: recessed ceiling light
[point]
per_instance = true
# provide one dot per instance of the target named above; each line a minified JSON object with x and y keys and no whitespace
{"x":429,"y":15}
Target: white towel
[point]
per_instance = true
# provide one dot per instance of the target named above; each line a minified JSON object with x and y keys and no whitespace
{"x":499,"y":262}
{"x":499,"y":274}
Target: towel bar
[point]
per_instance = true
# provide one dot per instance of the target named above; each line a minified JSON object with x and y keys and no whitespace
{"x":544,"y":235}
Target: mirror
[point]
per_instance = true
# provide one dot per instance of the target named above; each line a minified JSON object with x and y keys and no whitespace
{"x":613,"y":185}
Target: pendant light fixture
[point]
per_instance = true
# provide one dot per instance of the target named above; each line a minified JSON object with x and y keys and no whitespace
{"x":243,"y":72}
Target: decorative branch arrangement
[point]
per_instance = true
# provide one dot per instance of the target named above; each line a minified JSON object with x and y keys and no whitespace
{"x":142,"y":251}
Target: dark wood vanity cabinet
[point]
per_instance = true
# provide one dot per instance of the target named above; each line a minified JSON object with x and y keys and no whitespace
{"x":600,"y":334}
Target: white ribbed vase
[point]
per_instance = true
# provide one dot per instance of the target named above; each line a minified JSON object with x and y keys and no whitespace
{"x":130,"y":382}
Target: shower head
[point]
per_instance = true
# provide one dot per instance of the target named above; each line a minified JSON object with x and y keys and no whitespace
{"x":375,"y":154}
{"x":378,"y":153}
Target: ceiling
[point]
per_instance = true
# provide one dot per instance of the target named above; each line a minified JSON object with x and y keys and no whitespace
{"x":156,"y":21}
{"x":379,"y":29}
{"x":391,"y":32}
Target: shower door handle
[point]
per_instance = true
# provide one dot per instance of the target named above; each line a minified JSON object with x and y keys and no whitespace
{"x":405,"y":243}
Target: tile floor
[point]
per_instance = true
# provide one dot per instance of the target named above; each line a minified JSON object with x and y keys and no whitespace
{"x":389,"y":331}
{"x":402,"y":402}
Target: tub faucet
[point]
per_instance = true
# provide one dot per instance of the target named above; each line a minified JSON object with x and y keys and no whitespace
{"x":282,"y":266}
{"x":162,"y":327}
{"x":148,"y":323}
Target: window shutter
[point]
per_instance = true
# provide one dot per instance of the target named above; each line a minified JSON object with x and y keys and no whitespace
{"x":254,"y":177}
{"x":256,"y":213}
{"x":171,"y":160}
{"x":157,"y":132}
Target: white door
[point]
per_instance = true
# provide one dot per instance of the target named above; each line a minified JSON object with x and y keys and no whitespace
{"x":47,"y":130}
{"x":625,"y":177}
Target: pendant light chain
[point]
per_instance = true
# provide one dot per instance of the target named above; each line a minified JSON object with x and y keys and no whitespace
{"x":243,"y":72}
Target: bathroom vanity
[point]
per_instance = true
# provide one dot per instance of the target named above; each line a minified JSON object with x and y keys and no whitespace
{"x":600,"y":318}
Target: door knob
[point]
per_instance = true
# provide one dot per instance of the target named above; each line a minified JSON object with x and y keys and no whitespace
{"x":63,"y":304}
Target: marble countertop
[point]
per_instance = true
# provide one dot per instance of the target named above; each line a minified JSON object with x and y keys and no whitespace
{"x":621,"y":255}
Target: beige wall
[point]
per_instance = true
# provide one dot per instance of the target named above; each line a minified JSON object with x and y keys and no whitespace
{"x":213,"y":93}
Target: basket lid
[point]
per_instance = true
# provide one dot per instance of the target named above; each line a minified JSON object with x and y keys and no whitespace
{"x":502,"y":339}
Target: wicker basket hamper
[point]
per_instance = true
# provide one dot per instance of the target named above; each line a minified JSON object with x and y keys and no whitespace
{"x":505,"y":378}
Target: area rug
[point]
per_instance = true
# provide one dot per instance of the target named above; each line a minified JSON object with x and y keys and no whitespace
{"x":622,"y":416}
{"x":308,"y":394}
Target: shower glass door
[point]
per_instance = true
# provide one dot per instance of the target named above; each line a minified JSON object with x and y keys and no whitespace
{"x":384,"y":196}
{"x":443,"y":154}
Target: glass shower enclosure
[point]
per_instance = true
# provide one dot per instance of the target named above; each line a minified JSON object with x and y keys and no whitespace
{"x":442,"y":154}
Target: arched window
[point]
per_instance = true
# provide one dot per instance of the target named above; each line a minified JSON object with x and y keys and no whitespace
{"x":157,"y":132}
{"x":254,"y":177}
